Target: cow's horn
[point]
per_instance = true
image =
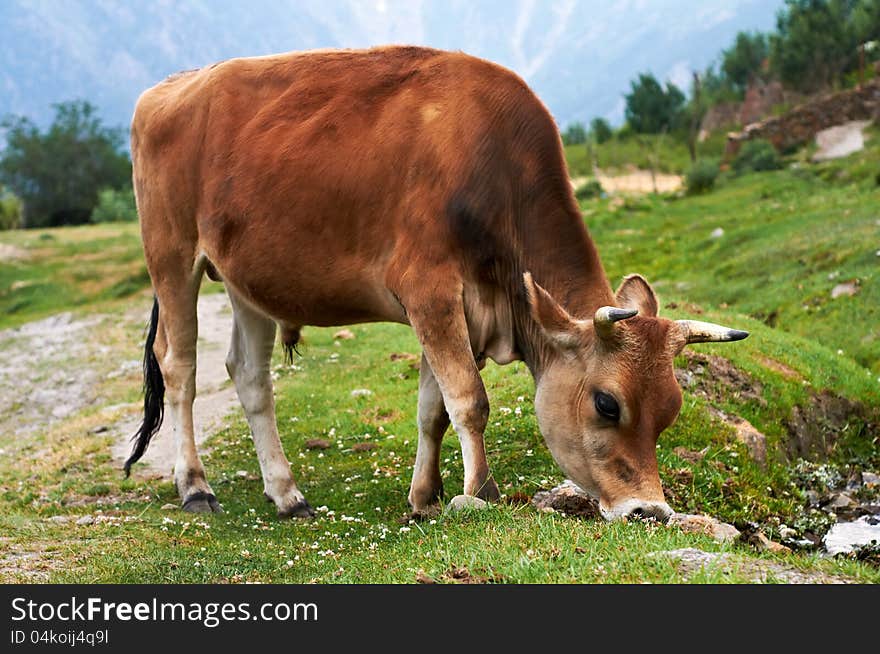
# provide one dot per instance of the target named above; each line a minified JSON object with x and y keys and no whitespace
{"x":707,"y":332}
{"x":605,"y":317}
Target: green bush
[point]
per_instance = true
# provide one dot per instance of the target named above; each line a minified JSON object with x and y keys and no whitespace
{"x":701,"y":176}
{"x":10,"y":212}
{"x":588,"y":190}
{"x":114,"y":206}
{"x":758,"y":155}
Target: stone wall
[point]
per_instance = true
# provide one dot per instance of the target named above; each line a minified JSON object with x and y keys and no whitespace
{"x":801,"y":124}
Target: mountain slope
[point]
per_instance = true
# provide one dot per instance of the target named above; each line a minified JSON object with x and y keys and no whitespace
{"x":577,"y":54}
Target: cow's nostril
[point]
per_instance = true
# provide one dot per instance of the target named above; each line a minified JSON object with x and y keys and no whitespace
{"x":659,"y":512}
{"x":638,"y":513}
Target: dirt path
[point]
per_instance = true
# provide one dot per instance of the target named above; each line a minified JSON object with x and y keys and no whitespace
{"x":636,"y":181}
{"x":841,"y":140}
{"x":215,"y":394}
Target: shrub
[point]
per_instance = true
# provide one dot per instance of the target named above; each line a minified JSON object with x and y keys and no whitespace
{"x":588,"y":190}
{"x":757,"y":155}
{"x":10,"y":212}
{"x":701,"y":176}
{"x":115,"y":205}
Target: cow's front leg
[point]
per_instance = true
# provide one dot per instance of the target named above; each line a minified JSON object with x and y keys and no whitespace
{"x":442,"y":330}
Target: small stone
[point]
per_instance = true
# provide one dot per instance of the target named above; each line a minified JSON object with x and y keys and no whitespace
{"x":363,"y":447}
{"x":704,"y":524}
{"x":169,"y":507}
{"x":85,"y":520}
{"x":100,"y":429}
{"x":847,"y":288}
{"x":461,"y":502}
{"x":344,"y":335}
{"x":59,"y":519}
{"x":317,"y":444}
{"x":718,"y":232}
{"x":361,"y":392}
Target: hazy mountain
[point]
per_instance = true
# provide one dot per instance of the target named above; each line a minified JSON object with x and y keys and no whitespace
{"x":579,"y":55}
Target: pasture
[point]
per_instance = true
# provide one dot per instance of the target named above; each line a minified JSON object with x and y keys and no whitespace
{"x":787,"y":239}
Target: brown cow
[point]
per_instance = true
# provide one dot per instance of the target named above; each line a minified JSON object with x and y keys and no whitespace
{"x":396,"y":184}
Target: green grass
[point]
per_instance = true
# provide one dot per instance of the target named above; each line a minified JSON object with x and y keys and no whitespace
{"x":617,"y":154}
{"x":784,"y":234}
{"x":69,"y":268}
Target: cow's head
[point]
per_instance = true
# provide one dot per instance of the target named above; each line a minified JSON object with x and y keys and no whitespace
{"x":603,"y":400}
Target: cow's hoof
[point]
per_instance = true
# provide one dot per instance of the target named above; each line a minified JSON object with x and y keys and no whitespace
{"x":202,"y":502}
{"x":489,"y":491}
{"x":300,"y":509}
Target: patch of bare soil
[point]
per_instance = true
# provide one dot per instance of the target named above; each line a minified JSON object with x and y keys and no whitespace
{"x":43,"y":377}
{"x":567,"y":498}
{"x":781,"y":368}
{"x":457,"y":575}
{"x":690,"y":560}
{"x":12,"y":253}
{"x":30,"y":563}
{"x":635,"y":181}
{"x":813,"y":429}
{"x":215,"y":394}
{"x":717,"y":379}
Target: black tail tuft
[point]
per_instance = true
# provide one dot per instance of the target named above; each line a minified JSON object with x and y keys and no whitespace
{"x":154,"y":394}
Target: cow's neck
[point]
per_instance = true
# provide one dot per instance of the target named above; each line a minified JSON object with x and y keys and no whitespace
{"x":563,"y":259}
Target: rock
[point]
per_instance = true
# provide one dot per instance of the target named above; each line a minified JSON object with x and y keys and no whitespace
{"x":85,"y":520}
{"x":59,"y":519}
{"x":757,"y":539}
{"x":568,"y":498}
{"x":462,"y":502}
{"x":703,"y":524}
{"x":344,"y":335}
{"x":847,"y":288}
{"x":363,"y":447}
{"x":813,"y":497}
{"x":691,"y":560}
{"x":361,"y":392}
{"x":840,"y":501}
{"x":316,"y":444}
{"x":843,"y":537}
{"x":100,"y":429}
{"x":718,"y":232}
{"x":169,"y":507}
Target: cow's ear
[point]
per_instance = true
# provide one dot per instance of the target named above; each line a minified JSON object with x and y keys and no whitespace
{"x":636,"y":293}
{"x":565,"y":332}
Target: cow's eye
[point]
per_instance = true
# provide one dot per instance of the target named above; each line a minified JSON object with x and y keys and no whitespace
{"x":607,"y":406}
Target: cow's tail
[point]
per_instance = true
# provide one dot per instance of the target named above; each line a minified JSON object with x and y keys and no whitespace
{"x":154,"y":394}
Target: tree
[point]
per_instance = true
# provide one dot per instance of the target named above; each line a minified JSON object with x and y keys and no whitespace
{"x":650,"y":109}
{"x":815,"y":43}
{"x":57,"y":174}
{"x":600,"y":130}
{"x":744,"y":59}
{"x":574,"y":134}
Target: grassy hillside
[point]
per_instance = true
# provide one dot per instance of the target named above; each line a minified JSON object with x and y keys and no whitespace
{"x":671,"y":155}
{"x":788,"y":238}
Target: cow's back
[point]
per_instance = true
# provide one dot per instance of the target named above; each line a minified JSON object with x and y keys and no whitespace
{"x":314,"y":181}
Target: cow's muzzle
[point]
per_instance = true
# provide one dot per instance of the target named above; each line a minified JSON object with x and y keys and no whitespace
{"x":637,"y":509}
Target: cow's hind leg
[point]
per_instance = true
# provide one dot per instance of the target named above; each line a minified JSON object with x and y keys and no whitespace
{"x":248,"y":363}
{"x":427,"y":485}
{"x":175,"y":349}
